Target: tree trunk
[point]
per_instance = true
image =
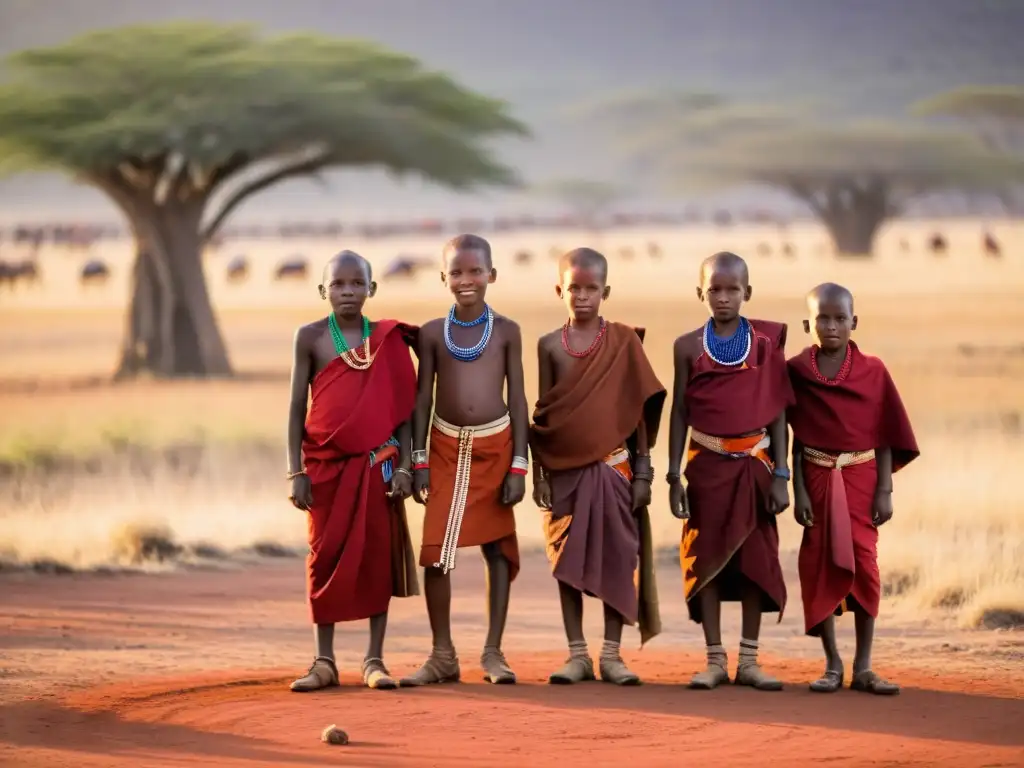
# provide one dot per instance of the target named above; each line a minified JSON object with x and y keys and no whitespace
{"x":853,"y":215}
{"x":171,"y":328}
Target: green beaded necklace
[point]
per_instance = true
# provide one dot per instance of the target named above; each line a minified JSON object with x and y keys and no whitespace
{"x":339,"y":339}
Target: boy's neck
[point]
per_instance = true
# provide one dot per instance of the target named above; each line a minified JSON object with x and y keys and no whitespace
{"x":349,"y":322}
{"x":471,"y":312}
{"x":835,"y":354}
{"x":726,"y":328}
{"x":585,"y":325}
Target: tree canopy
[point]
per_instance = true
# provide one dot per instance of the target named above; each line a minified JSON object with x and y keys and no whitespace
{"x":852,"y":175}
{"x":164,"y":118}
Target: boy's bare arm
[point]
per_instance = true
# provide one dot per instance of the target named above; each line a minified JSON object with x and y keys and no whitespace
{"x":424,"y":390}
{"x":404,"y":436}
{"x":678,"y":421}
{"x":545,"y":380}
{"x":778,"y":431}
{"x":301,"y":365}
{"x":883,"y":461}
{"x":519,"y":410}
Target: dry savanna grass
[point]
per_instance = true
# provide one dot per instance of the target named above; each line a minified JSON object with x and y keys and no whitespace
{"x":159,"y":474}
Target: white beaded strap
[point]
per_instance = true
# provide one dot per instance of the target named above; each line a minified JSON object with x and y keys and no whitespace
{"x":460,"y":492}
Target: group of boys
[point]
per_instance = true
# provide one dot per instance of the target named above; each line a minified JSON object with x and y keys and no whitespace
{"x":362,"y":450}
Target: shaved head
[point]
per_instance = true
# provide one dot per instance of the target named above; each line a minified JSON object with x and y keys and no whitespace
{"x":347,"y":257}
{"x":827,"y":292}
{"x":724,"y":261}
{"x":583,"y":257}
{"x":468,"y":243}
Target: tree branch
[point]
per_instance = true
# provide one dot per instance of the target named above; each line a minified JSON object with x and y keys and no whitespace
{"x":305,"y":167}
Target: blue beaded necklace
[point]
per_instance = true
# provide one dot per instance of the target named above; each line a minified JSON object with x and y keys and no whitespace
{"x":730,"y":351}
{"x":468,"y":354}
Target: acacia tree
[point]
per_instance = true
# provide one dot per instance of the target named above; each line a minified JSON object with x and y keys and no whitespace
{"x":852,"y":176}
{"x":995,"y":113}
{"x":180,"y":124}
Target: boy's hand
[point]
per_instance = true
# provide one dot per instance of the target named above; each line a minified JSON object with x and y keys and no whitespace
{"x":421,"y":485}
{"x":802,"y":510}
{"x":302,"y":493}
{"x":641,"y":493}
{"x":778,"y":496}
{"x":401,"y":485}
{"x":542,"y":494}
{"x":513,"y":489}
{"x":881,"y":509}
{"x":678,"y":504}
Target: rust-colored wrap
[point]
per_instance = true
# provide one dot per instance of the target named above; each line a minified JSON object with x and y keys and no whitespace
{"x":730,"y":535}
{"x":582,"y":428}
{"x":360,"y":550}
{"x":839,"y":553}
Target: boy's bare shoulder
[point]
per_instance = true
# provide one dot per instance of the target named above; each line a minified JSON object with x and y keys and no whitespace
{"x":505,"y":322}
{"x":689,"y":344}
{"x":550,"y":340}
{"x":309,"y":333}
{"x":432,"y":329}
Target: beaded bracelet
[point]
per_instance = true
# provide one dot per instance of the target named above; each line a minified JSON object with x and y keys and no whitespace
{"x":293,"y":475}
{"x":418,"y":467}
{"x":403,"y":471}
{"x":672,"y":478}
{"x":419,"y":457}
{"x":519,"y":466}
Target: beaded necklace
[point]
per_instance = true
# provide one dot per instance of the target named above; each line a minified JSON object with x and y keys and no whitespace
{"x":593,"y":345}
{"x":345,"y":352}
{"x":468,"y":354}
{"x":841,"y":374}
{"x":732,"y":350}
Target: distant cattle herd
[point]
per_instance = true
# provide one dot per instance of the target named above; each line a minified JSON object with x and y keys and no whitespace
{"x":27,"y":272}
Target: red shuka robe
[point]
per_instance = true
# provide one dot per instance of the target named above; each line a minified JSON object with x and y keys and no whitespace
{"x":730,"y":531}
{"x":839,"y":553}
{"x":360,"y":554}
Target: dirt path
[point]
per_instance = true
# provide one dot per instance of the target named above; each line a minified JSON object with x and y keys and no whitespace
{"x":192,"y":669}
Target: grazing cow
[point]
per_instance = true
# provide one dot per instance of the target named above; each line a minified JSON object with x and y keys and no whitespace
{"x":788,"y":250}
{"x":626,"y":253}
{"x":14,"y":272}
{"x":937,"y":244}
{"x":653,"y":250}
{"x":992,"y":249}
{"x":93,"y":272}
{"x":294,"y":268}
{"x":523,"y":258}
{"x":763,"y":249}
{"x":238,"y":269}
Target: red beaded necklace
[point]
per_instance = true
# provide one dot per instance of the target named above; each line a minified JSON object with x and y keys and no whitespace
{"x":841,"y":374}
{"x":593,"y":345}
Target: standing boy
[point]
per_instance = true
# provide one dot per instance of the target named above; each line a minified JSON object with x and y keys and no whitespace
{"x":594,"y":425}
{"x":349,"y":465}
{"x":850,"y":434}
{"x":477,"y":463}
{"x":731,"y":391}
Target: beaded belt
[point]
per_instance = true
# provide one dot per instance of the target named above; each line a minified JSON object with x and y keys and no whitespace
{"x":838,"y":460}
{"x":460,"y":492}
{"x":616,"y":457}
{"x":717,"y":444}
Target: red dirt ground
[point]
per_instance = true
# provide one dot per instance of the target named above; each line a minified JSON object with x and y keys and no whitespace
{"x":186,"y":669}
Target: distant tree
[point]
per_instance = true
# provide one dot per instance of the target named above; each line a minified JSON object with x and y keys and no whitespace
{"x":169,"y":120}
{"x":853,"y":176}
{"x":995,"y":113}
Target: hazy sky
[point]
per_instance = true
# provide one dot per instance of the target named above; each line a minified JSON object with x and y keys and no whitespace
{"x":869,"y":56}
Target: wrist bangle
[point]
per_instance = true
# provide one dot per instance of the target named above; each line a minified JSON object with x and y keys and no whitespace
{"x":293,"y":475}
{"x":419,"y":457}
{"x":422,"y":465}
{"x":672,"y":478}
{"x":517,"y":471}
{"x":518,"y":462}
{"x":403,"y":471}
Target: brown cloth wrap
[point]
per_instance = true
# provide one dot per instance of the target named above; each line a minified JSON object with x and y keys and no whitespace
{"x":591,"y":413}
{"x":485,"y":518}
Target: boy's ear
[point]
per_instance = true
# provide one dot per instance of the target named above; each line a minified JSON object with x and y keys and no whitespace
{"x":322,"y":291}
{"x":807,"y":326}
{"x":853,"y":325}
{"x":444,"y":277}
{"x":700,"y":294}
{"x":748,"y":293}
{"x":606,"y":293}
{"x":493,"y":275}
{"x":372,"y":290}
{"x":558,"y":290}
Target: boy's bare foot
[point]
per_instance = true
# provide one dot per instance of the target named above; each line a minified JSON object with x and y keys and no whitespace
{"x":830,"y":682}
{"x":322,"y":674}
{"x":496,"y":668}
{"x":867,"y":681}
{"x":577,"y":669}
{"x":376,"y":675}
{"x":440,"y":667}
